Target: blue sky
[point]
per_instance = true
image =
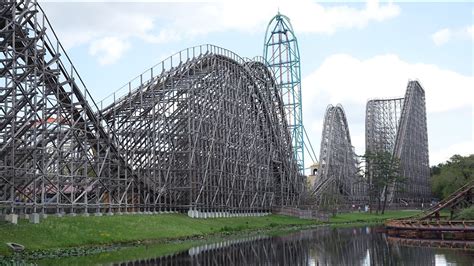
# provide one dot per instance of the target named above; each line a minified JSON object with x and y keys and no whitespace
{"x":350,"y":52}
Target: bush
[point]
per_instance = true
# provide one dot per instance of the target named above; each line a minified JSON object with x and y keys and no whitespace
{"x":466,"y":214}
{"x":450,"y":176}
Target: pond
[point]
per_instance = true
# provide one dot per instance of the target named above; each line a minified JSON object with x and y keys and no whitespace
{"x":320,"y":246}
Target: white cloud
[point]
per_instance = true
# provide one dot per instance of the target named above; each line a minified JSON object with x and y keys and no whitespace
{"x":358,"y":139}
{"x":446,"y":35}
{"x":470,"y":31}
{"x":443,"y":154}
{"x":83,"y":23}
{"x":441,"y":37}
{"x":108,"y":49}
{"x":311,"y":17}
{"x":344,"y":79}
{"x":386,"y":76}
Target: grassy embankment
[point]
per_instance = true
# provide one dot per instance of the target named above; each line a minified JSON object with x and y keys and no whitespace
{"x":69,"y":232}
{"x":368,"y":218}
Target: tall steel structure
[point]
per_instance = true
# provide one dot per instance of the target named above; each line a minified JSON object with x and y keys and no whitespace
{"x":282,"y":55}
{"x":399,"y":126}
{"x":337,"y":177}
{"x":202,"y":130}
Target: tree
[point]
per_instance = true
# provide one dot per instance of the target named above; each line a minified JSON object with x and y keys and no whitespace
{"x":383,"y":175}
{"x":450,"y":176}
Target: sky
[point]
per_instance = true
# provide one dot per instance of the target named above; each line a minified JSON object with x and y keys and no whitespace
{"x":350,"y":52}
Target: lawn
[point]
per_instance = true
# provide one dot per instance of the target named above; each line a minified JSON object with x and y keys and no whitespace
{"x":72,"y":232}
{"x":64,"y":232}
{"x":362,"y":217}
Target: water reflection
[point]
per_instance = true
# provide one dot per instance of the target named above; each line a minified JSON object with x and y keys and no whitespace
{"x":322,"y":246}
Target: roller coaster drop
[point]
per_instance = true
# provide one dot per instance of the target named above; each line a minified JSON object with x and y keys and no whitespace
{"x":202,"y":131}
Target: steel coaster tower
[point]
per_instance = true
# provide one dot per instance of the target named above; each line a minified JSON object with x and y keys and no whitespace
{"x":282,"y":56}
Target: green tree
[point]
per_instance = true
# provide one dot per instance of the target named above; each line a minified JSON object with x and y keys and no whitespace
{"x":383,"y":176}
{"x":448,"y":177}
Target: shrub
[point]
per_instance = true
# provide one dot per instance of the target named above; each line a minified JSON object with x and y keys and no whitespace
{"x":466,"y":214}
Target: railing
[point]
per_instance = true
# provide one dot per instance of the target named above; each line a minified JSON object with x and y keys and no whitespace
{"x":137,"y":82}
{"x":302,"y":213}
{"x":166,"y":65}
{"x":69,"y":70}
{"x":431,"y":225}
{"x":443,"y":204}
{"x":73,"y":74}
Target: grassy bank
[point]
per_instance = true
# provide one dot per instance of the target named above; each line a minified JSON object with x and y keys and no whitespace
{"x":67,"y":232}
{"x":361,"y":217}
{"x":88,"y":232}
{"x":122,"y":255}
{"x":153,"y":250}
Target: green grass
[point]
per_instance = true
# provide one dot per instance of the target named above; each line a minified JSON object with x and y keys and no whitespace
{"x":361,"y":217}
{"x":127,"y":254}
{"x":142,"y":252}
{"x":65,"y":232}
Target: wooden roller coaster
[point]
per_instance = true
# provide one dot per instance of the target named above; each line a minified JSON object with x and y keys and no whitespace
{"x":430,"y":228}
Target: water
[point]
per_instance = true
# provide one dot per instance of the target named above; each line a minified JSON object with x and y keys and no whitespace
{"x":321,"y":246}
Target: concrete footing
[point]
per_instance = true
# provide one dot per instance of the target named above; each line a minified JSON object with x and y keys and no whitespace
{"x":35,"y":218}
{"x":192,"y":213}
{"x":12,"y":218}
{"x":206,"y":215}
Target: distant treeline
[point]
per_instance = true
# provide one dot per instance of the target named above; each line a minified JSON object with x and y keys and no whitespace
{"x":450,"y":176}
